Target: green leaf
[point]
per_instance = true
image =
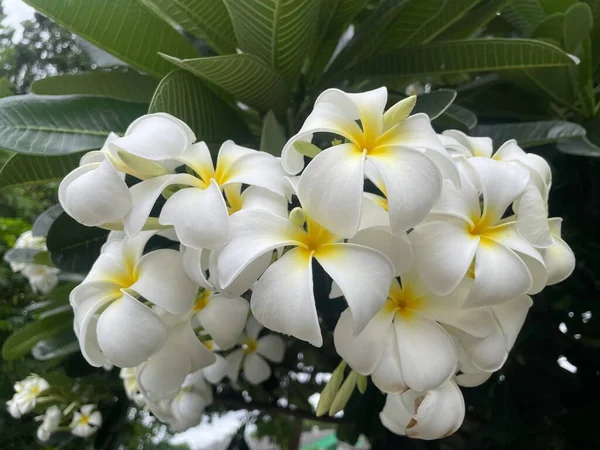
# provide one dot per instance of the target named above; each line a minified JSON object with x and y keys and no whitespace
{"x":474,"y":20}
{"x":22,"y":341}
{"x":59,"y":345}
{"x":580,"y":146}
{"x":74,"y":247}
{"x":554,"y":6}
{"x":456,"y":117}
{"x":124,"y":28}
{"x":44,"y":221}
{"x":552,"y":27}
{"x":524,"y":14}
{"x":273,"y":137}
{"x":205,"y":19}
{"x":27,"y":170}
{"x":43,"y":259}
{"x":57,"y":125}
{"x":530,"y":134}
{"x":20,"y":255}
{"x":475,"y":55}
{"x":130,"y":85}
{"x":189,"y":98}
{"x":578,"y":23}
{"x":434,"y":103}
{"x":280,"y":32}
{"x":245,"y":77}
{"x":595,"y":35}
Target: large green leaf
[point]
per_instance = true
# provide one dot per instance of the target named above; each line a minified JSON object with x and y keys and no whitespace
{"x":525,"y":15}
{"x":130,"y":85}
{"x":595,"y":35}
{"x":44,"y":221}
{"x":74,"y":247}
{"x":272,"y":138}
{"x":280,"y":32}
{"x":475,"y":55}
{"x":22,"y":341}
{"x":578,"y":24}
{"x":580,"y":146}
{"x":474,"y":20}
{"x":57,"y":125}
{"x":57,"y":345}
{"x":245,"y":77}
{"x":22,"y":170}
{"x":434,"y":103}
{"x":530,"y":134}
{"x":456,"y":117}
{"x":189,"y":98}
{"x":124,"y":28}
{"x":206,"y":19}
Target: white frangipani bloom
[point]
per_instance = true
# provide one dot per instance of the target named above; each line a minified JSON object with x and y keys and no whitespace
{"x":403,"y":150}
{"x":198,"y":212}
{"x":27,"y":240}
{"x":559,"y":258}
{"x":129,"y":377}
{"x":26,"y":395}
{"x":112,"y":324}
{"x":50,"y":423}
{"x":184,"y":409}
{"x":254,"y":353}
{"x":403,"y":346}
{"x":429,"y":415}
{"x":86,"y":421}
{"x":461,"y":233}
{"x":42,"y":279}
{"x":283,"y":299}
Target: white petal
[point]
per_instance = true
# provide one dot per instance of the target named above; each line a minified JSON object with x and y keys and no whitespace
{"x":330,"y":189}
{"x":129,"y":332}
{"x":271,"y":347}
{"x":224,"y":319}
{"x":501,"y":183}
{"x":256,"y":369}
{"x":163,"y":281}
{"x":144,"y":196}
{"x":478,"y":146}
{"x":256,"y":169}
{"x":95,"y":194}
{"x":387,"y":375}
{"x":217,"y":371}
{"x":156,"y":137}
{"x":472,"y":379}
{"x":374,"y":212}
{"x":559,"y":258}
{"x":532,"y":217}
{"x":414,"y":132}
{"x":443,"y":252}
{"x":396,"y":248}
{"x":198,"y":157}
{"x":283,"y":300}
{"x":511,"y":317}
{"x":86,"y":322}
{"x":199,"y":216}
{"x":255,"y":197}
{"x":195,"y":263}
{"x":253,"y":328}
{"x":499,"y":275}
{"x":487,"y":354}
{"x":439,"y":414}
{"x":427,"y":353}
{"x":364,"y":351}
{"x":254,"y":232}
{"x":246,"y":279}
{"x":395,"y":416}
{"x":460,"y":202}
{"x":413,"y":184}
{"x":398,"y":112}
{"x":364,"y":276}
{"x":234,"y":363}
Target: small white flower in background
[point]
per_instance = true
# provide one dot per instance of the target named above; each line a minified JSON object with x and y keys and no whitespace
{"x":254,"y":353}
{"x":42,"y":279}
{"x":184,"y":409}
{"x":129,"y":377}
{"x":86,"y":421}
{"x":50,"y":423}
{"x":26,"y":395}
{"x":403,"y":151}
{"x":215,"y":373}
{"x":112,"y":324}
{"x":199,"y":212}
{"x":429,"y":415}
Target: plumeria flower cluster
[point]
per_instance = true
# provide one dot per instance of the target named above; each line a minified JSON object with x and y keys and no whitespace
{"x":434,"y":241}
{"x":81,"y":421}
{"x":42,"y":279}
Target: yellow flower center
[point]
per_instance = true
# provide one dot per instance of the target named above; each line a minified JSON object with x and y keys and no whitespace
{"x":250,"y":346}
{"x":402,"y":300}
{"x":315,"y":236}
{"x":84,"y":419}
{"x":202,"y":300}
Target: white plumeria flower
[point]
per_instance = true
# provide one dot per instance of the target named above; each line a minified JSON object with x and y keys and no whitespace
{"x":215,"y":373}
{"x":129,"y":377}
{"x":403,"y":150}
{"x":42,"y":279}
{"x":559,"y":258}
{"x":183,"y":353}
{"x":198,"y":212}
{"x":184,"y":409}
{"x":50,"y":423}
{"x":112,"y":324}
{"x":403,"y":346}
{"x":429,"y":415}
{"x":27,"y":240}
{"x":26,"y":395}
{"x":283,"y":298}
{"x":532,"y":207}
{"x":254,"y":354}
{"x":489,"y":353}
{"x":460,"y":233}
{"x":86,"y":421}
